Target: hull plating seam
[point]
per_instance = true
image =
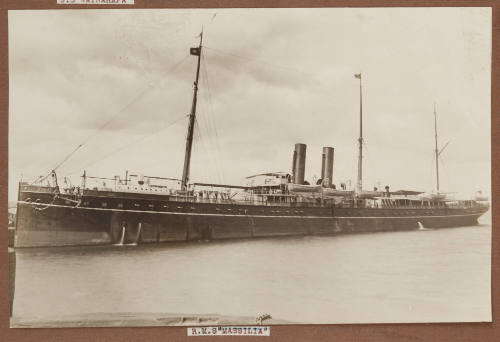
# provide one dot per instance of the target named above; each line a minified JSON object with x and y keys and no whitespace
{"x":232,"y":215}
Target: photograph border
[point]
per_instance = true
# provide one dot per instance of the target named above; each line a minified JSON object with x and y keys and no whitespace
{"x":483,"y":332}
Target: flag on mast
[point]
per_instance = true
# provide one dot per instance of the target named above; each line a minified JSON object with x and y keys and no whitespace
{"x":194,"y":51}
{"x":357,"y":75}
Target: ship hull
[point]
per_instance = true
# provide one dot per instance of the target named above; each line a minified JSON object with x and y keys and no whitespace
{"x":145,"y":220}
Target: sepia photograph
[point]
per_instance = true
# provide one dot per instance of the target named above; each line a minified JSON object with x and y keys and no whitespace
{"x":250,"y":167}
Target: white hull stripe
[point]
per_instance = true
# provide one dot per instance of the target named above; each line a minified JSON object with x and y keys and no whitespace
{"x":234,"y":215}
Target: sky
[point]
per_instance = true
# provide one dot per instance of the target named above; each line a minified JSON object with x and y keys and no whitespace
{"x":120,"y":83}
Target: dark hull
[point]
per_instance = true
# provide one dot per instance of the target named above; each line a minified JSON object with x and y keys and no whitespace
{"x":110,"y":219}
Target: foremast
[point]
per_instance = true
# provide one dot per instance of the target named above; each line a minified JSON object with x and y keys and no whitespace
{"x":192,"y":118}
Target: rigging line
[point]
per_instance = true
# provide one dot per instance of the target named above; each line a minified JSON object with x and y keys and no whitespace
{"x":443,"y":168}
{"x":206,"y":125}
{"x":209,"y":93}
{"x":135,"y":99}
{"x":132,"y":143}
{"x":210,"y":103}
{"x":257,"y":61}
{"x":41,"y":178}
{"x":203,"y":139}
{"x":212,"y":151}
{"x":212,"y":120}
{"x":208,"y":118}
{"x":209,"y":150}
{"x":209,"y":137}
{"x":68,"y":156}
{"x":201,"y":142}
{"x":431,"y":176}
{"x":368,"y":162}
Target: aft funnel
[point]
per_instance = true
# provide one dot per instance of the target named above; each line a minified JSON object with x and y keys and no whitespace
{"x":327,"y":166}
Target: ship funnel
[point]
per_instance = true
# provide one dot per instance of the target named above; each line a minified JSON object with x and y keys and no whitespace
{"x":299,"y":164}
{"x":327,"y":166}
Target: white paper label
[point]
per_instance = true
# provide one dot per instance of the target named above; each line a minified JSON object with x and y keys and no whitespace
{"x":95,"y":2}
{"x":230,"y":331}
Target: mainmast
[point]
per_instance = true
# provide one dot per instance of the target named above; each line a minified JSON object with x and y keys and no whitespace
{"x":436,"y":149}
{"x":192,"y":118}
{"x":359,"y":184}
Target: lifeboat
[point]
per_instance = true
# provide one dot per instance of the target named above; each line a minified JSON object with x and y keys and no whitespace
{"x":370,"y":194}
{"x":432,"y":197}
{"x":304,"y":188}
{"x":329,"y":192}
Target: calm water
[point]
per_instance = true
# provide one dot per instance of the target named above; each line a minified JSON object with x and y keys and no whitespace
{"x":417,"y":276}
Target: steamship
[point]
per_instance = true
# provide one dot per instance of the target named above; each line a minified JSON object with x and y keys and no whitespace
{"x":143,"y":209}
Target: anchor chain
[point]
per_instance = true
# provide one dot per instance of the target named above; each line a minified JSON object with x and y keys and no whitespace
{"x":40,"y":208}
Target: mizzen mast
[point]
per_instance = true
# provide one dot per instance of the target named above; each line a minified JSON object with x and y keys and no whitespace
{"x":436,"y":149}
{"x":196,"y":51}
{"x":359,"y":184}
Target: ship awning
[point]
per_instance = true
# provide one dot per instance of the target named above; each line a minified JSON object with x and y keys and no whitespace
{"x":406,"y":192}
{"x":275,"y":174}
{"x":221,"y":186}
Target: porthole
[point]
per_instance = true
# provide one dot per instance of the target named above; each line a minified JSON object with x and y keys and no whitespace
{"x":104,"y":204}
{"x":120,"y":205}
